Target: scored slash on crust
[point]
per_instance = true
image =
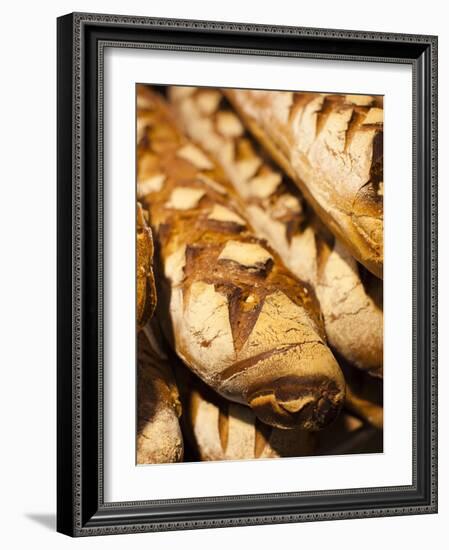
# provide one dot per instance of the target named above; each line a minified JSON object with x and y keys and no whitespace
{"x":229,"y":296}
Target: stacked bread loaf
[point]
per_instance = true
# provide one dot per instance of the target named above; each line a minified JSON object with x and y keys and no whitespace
{"x":258,"y":278}
{"x":349,"y":296}
{"x":332,"y":148}
{"x":159,"y":437}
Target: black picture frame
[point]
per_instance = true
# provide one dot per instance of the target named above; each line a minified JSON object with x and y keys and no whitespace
{"x":81,"y":509}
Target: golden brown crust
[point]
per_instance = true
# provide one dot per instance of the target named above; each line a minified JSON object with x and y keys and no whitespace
{"x":331,"y":146}
{"x":238,"y":318}
{"x":159,"y":438}
{"x":146,"y":290}
{"x":353,"y":316}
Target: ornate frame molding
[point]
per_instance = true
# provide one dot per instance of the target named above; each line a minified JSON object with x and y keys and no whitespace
{"x":81,"y":509}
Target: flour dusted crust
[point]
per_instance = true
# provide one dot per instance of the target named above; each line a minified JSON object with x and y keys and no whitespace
{"x":354,"y":315}
{"x":146,"y":291}
{"x":159,"y":438}
{"x":240,"y":321}
{"x":349,"y":297}
{"x":222,"y":214}
{"x":249,"y":255}
{"x":332,"y":148}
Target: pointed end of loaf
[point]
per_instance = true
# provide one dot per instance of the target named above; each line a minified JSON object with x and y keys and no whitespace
{"x":298,"y":402}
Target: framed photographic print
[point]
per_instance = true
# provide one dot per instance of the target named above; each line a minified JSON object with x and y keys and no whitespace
{"x":247,"y":282}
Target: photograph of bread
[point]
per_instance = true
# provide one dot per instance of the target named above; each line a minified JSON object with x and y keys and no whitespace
{"x":259,"y":264}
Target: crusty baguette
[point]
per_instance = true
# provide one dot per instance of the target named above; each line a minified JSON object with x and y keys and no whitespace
{"x":332,"y":148}
{"x":352,"y":312}
{"x":237,"y":317}
{"x":159,"y":438}
{"x":146,"y":290}
{"x":218,"y":429}
{"x":352,"y":301}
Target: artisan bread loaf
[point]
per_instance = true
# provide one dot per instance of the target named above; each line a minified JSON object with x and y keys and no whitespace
{"x":351,"y":305}
{"x":159,"y":437}
{"x":236,"y":316}
{"x":332,"y":148}
{"x":218,"y":429}
{"x":145,"y":287}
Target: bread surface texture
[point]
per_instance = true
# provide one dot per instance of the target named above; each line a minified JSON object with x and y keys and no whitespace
{"x":350,"y":297}
{"x":159,"y":437}
{"x":331,"y":145}
{"x":235,"y":315}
